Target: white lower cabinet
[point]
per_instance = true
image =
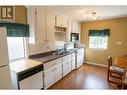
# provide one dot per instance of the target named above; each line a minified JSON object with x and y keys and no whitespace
{"x":58,"y":73}
{"x":33,"y":82}
{"x":56,"y":69}
{"x":48,"y":78}
{"x":80,"y":57}
{"x":53,"y":74}
{"x":66,"y":67}
{"x":73,"y":64}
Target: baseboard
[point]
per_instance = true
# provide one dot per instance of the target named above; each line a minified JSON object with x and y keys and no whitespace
{"x":92,"y":63}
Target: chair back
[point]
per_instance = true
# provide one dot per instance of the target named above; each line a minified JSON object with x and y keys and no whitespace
{"x":109,"y":61}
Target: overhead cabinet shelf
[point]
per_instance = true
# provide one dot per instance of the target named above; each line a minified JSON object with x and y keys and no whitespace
{"x":60,"y":29}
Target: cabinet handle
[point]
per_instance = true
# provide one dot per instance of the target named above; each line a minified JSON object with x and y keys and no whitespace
{"x":53,"y":69}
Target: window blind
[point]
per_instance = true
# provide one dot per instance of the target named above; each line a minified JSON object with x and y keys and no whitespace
{"x":16,"y":48}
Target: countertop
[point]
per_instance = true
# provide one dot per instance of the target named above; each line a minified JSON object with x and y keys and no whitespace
{"x":51,"y":57}
{"x":24,"y":64}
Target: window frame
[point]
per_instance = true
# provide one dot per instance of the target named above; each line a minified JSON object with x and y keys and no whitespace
{"x":99,"y":48}
{"x":25,"y":45}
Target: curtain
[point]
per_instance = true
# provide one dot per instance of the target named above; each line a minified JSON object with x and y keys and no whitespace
{"x":16,"y":29}
{"x":104,"y":32}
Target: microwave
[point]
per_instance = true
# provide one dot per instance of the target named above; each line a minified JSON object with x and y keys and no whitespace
{"x":68,"y":46}
{"x":74,"y":37}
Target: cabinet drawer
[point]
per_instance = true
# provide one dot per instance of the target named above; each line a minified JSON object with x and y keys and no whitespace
{"x":52,"y":63}
{"x":65,"y":58}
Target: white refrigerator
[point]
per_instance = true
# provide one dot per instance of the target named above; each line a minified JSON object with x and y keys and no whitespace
{"x":5,"y":77}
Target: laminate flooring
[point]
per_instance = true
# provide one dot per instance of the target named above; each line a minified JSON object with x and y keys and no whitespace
{"x":86,"y":77}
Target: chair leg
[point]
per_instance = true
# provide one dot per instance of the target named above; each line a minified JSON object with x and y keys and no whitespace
{"x":108,"y":76}
{"x":122,"y":82}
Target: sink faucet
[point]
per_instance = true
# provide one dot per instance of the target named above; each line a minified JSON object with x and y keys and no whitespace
{"x":57,"y":51}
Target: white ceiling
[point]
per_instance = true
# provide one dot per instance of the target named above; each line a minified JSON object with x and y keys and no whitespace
{"x":75,"y":12}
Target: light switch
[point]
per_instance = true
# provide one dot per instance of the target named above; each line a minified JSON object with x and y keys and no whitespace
{"x":118,"y":42}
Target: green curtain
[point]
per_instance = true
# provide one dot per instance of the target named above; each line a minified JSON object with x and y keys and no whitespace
{"x":104,"y":32}
{"x":16,"y":29}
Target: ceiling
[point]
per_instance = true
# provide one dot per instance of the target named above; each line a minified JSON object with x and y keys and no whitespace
{"x":106,"y":12}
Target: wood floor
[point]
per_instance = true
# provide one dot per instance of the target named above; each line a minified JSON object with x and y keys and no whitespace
{"x":86,"y":77}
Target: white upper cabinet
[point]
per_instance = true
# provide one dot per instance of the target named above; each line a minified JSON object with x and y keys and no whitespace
{"x":61,"y":21}
{"x":69,"y":29}
{"x":72,"y":27}
{"x":50,"y":26}
{"x":42,"y":27}
{"x":31,"y":19}
{"x":36,"y":21}
{"x":75,"y":27}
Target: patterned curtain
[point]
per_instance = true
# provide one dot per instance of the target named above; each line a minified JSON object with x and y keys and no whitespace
{"x":104,"y":32}
{"x":16,"y":29}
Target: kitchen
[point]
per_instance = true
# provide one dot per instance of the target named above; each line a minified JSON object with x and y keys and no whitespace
{"x":48,"y":53}
{"x":43,"y":47}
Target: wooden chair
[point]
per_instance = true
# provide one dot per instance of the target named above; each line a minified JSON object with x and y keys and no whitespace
{"x":117,"y":71}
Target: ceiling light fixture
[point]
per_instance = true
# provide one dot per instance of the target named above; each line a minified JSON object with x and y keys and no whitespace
{"x":91,"y":15}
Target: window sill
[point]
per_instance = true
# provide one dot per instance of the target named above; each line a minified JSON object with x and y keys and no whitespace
{"x":12,"y":61}
{"x":98,"y":49}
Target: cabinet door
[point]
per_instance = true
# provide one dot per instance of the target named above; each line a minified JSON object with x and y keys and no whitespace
{"x":73,"y":63}
{"x":80,"y":57}
{"x":66,"y":67}
{"x":58,"y":20}
{"x":69,"y":29}
{"x":33,"y":82}
{"x":75,"y":27}
{"x":58,"y":72}
{"x":40,"y":25}
{"x":64,"y":21}
{"x":31,"y":20}
{"x":79,"y":62}
{"x":61,"y":21}
{"x":49,"y":78}
{"x":50,"y":26}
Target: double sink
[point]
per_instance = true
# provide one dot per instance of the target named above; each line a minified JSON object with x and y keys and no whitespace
{"x":53,"y":56}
